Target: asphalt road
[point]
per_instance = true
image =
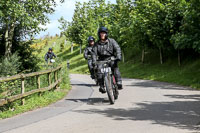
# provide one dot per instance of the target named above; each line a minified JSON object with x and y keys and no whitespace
{"x":143,"y":107}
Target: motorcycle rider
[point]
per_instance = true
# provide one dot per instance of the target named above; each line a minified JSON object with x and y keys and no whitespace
{"x":88,"y":55}
{"x":106,"y":48}
{"x":49,"y":55}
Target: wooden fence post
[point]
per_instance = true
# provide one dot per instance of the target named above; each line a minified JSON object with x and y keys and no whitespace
{"x":22,"y":90}
{"x":58,"y":73}
{"x":68,"y":63}
{"x":38,"y":83}
{"x":56,"y":78}
{"x":49,"y":79}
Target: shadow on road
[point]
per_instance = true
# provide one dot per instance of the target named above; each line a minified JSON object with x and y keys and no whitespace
{"x":158,"y":85}
{"x":91,"y":101}
{"x":191,"y":97}
{"x":179,"y":114}
{"x":87,"y":85}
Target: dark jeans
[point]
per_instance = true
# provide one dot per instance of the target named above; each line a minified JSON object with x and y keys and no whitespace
{"x":91,"y":68}
{"x":115,"y":69}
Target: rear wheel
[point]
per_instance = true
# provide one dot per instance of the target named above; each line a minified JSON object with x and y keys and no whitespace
{"x":109,"y":89}
{"x":116,"y":92}
{"x":115,"y":87}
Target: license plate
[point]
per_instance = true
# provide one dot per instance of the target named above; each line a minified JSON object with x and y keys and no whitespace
{"x":105,"y":70}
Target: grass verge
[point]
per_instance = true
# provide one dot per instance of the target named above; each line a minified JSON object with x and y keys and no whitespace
{"x":35,"y":101}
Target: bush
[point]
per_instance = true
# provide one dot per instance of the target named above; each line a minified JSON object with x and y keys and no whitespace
{"x":10,"y":66}
{"x":29,"y":61}
{"x":62,"y":47}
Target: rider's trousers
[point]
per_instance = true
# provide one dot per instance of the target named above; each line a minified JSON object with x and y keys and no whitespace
{"x":90,"y":67}
{"x":115,"y":69}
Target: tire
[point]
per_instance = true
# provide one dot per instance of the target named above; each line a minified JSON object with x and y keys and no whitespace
{"x":116,"y":92}
{"x":115,"y":88}
{"x":109,"y":89}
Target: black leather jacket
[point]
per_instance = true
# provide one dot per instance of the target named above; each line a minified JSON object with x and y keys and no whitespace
{"x":49,"y":55}
{"x":106,"y":49}
{"x":88,"y":53}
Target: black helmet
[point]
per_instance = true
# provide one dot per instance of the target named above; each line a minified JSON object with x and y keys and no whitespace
{"x":103,"y":29}
{"x":91,"y":38}
{"x":50,"y":49}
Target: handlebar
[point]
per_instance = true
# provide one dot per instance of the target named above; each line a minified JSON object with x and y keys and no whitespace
{"x":108,"y":60}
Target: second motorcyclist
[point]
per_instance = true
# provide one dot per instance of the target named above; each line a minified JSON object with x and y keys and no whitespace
{"x":88,"y":55}
{"x":49,"y":55}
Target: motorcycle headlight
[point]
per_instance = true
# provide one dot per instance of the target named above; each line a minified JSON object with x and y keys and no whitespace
{"x":52,"y":60}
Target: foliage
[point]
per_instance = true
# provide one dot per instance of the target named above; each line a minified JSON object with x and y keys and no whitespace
{"x":28,"y":13}
{"x":189,"y":35}
{"x":164,"y":25}
{"x":23,"y":18}
{"x":62,"y":46}
{"x":35,"y":101}
{"x":10,"y":66}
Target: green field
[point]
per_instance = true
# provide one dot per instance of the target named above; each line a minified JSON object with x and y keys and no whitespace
{"x":188,"y":74}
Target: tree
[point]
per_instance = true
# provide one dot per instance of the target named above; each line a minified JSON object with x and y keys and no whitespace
{"x":120,"y":22}
{"x":85,"y":21}
{"x":159,"y":20}
{"x":166,"y":26}
{"x":27,"y":13}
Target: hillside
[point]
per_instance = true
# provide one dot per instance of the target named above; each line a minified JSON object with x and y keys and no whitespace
{"x":188,"y":74}
{"x":62,"y":49}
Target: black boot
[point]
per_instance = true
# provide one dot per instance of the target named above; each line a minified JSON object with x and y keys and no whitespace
{"x":119,"y":84}
{"x":102,"y":89}
{"x":92,"y":77}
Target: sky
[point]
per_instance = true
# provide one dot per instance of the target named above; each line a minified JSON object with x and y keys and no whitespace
{"x":66,"y":10}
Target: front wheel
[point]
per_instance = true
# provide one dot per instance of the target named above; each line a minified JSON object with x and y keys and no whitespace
{"x":109,"y":90}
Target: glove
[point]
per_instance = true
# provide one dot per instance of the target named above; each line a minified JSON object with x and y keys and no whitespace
{"x":113,"y":58}
{"x":95,"y":67}
{"x":94,"y":64}
{"x":89,"y":57}
{"x":118,"y":58}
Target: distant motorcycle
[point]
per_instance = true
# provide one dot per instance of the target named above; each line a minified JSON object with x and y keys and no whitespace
{"x":52,"y":61}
